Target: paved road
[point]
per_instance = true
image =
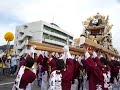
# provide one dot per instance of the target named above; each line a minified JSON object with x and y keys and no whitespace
{"x":6,"y":83}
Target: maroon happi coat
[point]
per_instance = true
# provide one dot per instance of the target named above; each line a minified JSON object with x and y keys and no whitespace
{"x":45,"y":64}
{"x":39,"y":59}
{"x":77,"y":67}
{"x":52,"y":63}
{"x":114,"y":70}
{"x":103,"y":68}
{"x":67,"y":74}
{"x":27,"y":77}
{"x":95,"y":76}
{"x":43,"y":61}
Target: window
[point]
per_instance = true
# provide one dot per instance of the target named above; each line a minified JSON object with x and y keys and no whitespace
{"x":25,"y":26}
{"x":52,"y":44}
{"x":70,"y":37}
{"x":46,"y":36}
{"x":54,"y":30}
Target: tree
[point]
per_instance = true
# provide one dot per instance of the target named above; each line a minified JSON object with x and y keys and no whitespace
{"x":8,"y":37}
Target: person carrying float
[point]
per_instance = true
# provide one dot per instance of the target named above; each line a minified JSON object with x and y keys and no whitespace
{"x":25,"y":76}
{"x":61,"y":77}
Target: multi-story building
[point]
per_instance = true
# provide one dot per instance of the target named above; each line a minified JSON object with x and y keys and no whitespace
{"x":42,"y":32}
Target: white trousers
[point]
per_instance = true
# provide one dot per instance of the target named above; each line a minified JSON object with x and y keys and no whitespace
{"x":75,"y":85}
{"x":85,"y":85}
{"x":28,"y":87}
{"x":44,"y":85}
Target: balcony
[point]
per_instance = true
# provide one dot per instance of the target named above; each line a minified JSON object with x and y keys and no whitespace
{"x":54,"y":42}
{"x":57,"y":35}
{"x":22,"y":38}
{"x":21,"y":45}
{"x":22,"y":52}
{"x":21,"y":31}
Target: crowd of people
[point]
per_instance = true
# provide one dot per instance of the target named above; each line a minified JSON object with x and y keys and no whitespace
{"x":63,"y":71}
{"x":9,"y":64}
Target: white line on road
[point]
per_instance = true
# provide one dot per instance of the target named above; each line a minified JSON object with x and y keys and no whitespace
{"x":6,"y":83}
{"x":9,"y":83}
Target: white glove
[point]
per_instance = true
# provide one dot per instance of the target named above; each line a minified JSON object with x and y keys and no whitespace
{"x":43,"y":53}
{"x":56,"y":55}
{"x":112,"y":58}
{"x":62,"y":56}
{"x":66,"y":48}
{"x":87,"y":55}
{"x":94,"y":55}
{"x":67,"y":55}
{"x":82,"y":40}
{"x":66,"y":52}
{"x":33,"y":48}
{"x":39,"y":53}
{"x":73,"y":57}
{"x":46,"y":54}
{"x":79,"y":60}
{"x":53,"y":53}
{"x":100,"y":56}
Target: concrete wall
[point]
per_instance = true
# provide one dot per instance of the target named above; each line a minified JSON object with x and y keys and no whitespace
{"x":34,"y":31}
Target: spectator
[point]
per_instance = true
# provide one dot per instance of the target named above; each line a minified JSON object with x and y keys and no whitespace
{"x":13,"y":64}
{"x":0,"y":63}
{"x":7,"y":63}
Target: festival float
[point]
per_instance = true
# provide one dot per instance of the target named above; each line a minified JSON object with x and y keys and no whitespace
{"x":96,"y":34}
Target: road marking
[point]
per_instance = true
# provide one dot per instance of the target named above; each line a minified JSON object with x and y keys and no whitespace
{"x":10,"y":83}
{"x":6,"y":83}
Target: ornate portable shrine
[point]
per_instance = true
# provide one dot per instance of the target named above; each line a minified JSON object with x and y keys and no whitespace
{"x":96,"y":34}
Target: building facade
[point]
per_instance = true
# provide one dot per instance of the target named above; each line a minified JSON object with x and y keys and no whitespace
{"x":42,"y":32}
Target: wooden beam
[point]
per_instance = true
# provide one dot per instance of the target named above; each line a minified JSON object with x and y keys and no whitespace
{"x":73,"y":50}
{"x":53,"y":48}
{"x":100,"y":47}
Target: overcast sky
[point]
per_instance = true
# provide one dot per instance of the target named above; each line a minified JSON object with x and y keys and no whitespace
{"x":68,"y":14}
